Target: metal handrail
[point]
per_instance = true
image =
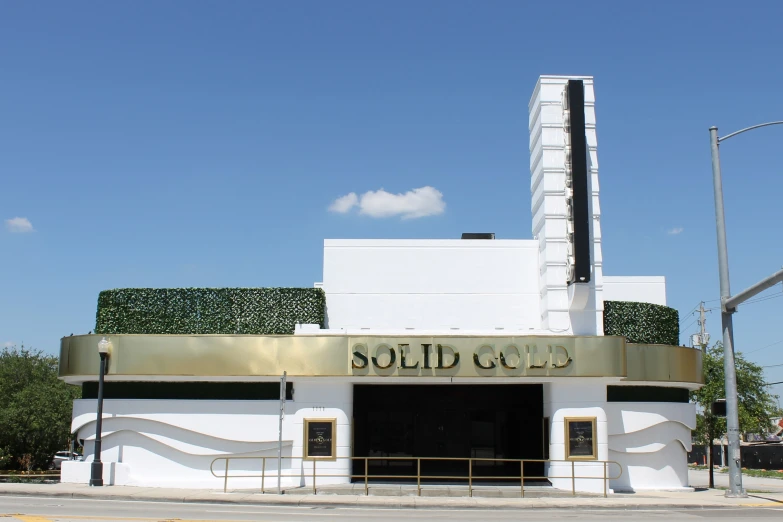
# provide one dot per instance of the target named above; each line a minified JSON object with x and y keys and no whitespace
{"x":418,"y":476}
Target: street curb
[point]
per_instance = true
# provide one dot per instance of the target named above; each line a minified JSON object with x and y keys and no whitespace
{"x":386,"y":503}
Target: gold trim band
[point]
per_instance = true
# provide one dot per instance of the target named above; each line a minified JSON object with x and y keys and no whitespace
{"x":174,"y":357}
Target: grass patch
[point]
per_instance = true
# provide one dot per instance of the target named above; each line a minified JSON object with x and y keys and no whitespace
{"x":760,"y":473}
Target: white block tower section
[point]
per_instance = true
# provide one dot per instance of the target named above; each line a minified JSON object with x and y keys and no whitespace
{"x":566,"y":210}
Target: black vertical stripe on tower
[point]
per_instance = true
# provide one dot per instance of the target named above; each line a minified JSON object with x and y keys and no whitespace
{"x":579,"y":173}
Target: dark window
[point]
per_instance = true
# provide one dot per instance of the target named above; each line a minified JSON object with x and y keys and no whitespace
{"x":646,"y":394}
{"x":225,"y":391}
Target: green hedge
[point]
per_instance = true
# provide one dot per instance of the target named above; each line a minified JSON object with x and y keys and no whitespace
{"x":257,"y":311}
{"x":642,"y":322}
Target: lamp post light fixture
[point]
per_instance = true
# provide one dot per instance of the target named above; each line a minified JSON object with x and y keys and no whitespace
{"x":729,"y":305}
{"x":96,"y":471}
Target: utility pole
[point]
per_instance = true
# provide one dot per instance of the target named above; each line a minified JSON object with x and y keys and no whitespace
{"x":704,"y":337}
{"x":701,"y":339}
{"x":703,"y":342}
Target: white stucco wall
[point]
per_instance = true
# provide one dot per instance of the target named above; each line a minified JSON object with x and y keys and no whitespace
{"x":431,"y":284}
{"x":171,"y":443}
{"x":576,"y":398}
{"x":651,"y":440}
{"x":640,"y":289}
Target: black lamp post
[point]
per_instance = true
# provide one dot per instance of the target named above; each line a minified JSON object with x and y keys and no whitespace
{"x":96,"y":475}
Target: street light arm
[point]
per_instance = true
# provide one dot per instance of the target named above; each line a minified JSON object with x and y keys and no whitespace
{"x":732,"y":302}
{"x":749,"y":129}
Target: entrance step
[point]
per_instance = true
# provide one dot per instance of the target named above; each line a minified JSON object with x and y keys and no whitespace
{"x":435,"y":490}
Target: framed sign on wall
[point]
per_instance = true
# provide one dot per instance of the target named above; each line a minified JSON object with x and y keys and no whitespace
{"x":580,"y":438}
{"x":320,"y":439}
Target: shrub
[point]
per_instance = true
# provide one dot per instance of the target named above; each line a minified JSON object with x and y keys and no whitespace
{"x":257,"y":311}
{"x":644,"y":323}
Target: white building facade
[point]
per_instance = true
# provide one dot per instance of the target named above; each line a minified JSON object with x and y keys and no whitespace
{"x":416,"y":334}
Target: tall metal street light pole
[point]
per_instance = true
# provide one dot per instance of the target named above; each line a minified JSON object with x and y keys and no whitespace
{"x":96,"y":471}
{"x":728,"y":307}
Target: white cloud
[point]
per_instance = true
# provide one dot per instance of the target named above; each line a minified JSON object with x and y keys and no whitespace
{"x":675,"y":231}
{"x":416,"y":203}
{"x":345,"y":203}
{"x":8,"y":344}
{"x":19,"y":225}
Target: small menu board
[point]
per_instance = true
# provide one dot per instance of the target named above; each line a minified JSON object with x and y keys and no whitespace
{"x":319,"y":439}
{"x":580,"y":435}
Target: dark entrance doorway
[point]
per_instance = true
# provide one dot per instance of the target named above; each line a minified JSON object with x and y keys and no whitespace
{"x":503,"y":421}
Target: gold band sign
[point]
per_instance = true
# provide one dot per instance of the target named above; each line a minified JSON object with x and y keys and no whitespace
{"x":488,"y":357}
{"x":181,"y":357}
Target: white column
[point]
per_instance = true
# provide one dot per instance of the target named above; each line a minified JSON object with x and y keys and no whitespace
{"x":576,"y":398}
{"x":323,"y":400}
{"x":561,"y":310}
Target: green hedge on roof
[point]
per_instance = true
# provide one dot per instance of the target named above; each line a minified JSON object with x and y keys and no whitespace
{"x":256,"y":311}
{"x":642,"y":322}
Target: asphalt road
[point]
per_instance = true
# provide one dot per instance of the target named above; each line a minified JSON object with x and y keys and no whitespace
{"x":42,"y":509}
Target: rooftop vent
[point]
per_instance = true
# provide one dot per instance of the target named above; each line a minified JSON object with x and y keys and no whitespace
{"x":478,"y":235}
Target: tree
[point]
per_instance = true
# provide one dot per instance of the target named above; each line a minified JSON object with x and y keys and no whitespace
{"x":35,"y":409}
{"x":756,"y":405}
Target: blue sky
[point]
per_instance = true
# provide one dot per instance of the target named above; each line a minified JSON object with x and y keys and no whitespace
{"x":200,"y":143}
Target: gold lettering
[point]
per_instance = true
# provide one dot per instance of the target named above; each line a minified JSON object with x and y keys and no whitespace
{"x":403,"y":348}
{"x":360,"y":355}
{"x":558,"y":356}
{"x":476,"y":360}
{"x":454,"y":352}
{"x":533,"y":361}
{"x":425,"y":348}
{"x":504,"y":361}
{"x":392,"y":357}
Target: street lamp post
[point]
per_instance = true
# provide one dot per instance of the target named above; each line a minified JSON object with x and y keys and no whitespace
{"x":728,"y":307}
{"x":96,"y":475}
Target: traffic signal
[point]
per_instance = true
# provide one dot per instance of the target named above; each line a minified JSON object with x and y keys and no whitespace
{"x":719,"y":408}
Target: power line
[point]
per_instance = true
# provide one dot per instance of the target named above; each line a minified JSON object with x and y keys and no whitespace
{"x":686,"y":317}
{"x":759,"y":299}
{"x":689,"y":313}
{"x":765,"y":298}
{"x":767,"y":346}
{"x":772,"y":366}
{"x":685,"y":328}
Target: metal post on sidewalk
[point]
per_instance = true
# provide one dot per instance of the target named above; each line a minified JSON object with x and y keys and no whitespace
{"x":96,"y":468}
{"x":280,"y":435}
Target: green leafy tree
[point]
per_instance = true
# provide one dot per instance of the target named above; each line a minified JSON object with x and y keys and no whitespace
{"x":35,"y":409}
{"x":756,"y":405}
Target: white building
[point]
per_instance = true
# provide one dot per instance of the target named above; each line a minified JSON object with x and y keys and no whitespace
{"x":461,"y":348}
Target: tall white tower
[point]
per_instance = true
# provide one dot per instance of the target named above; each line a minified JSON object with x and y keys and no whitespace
{"x":566,"y":210}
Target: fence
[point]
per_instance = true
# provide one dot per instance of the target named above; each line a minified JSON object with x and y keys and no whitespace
{"x":35,"y":476}
{"x":755,"y":456}
{"x":418,"y":476}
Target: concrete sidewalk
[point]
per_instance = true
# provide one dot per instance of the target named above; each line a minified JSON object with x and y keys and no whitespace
{"x":700,"y":499}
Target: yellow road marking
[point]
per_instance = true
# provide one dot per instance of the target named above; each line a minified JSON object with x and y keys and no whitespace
{"x":770,"y":503}
{"x":32,"y":518}
{"x":41,"y":518}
